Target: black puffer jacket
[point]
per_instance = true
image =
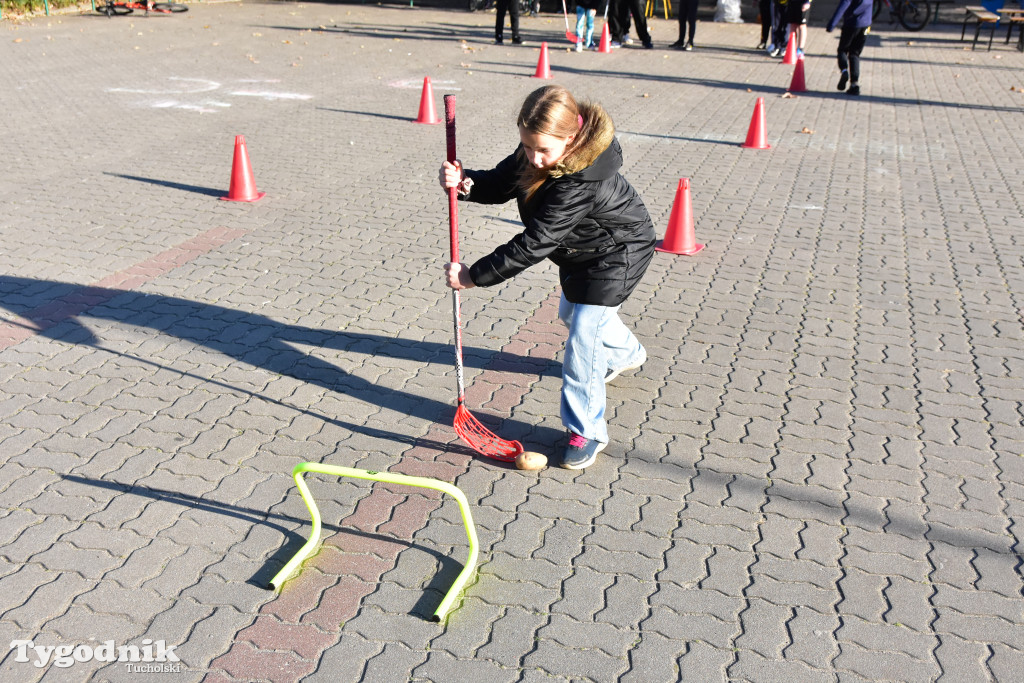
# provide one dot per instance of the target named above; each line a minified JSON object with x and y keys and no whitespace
{"x":591,"y":223}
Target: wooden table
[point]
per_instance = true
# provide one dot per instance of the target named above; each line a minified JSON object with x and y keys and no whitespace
{"x":1014,"y":17}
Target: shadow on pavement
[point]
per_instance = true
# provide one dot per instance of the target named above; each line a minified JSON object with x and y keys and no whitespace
{"x":260,"y":341}
{"x":811,"y":499}
{"x":434,"y":591}
{"x":209,"y":191}
{"x":367,"y":113}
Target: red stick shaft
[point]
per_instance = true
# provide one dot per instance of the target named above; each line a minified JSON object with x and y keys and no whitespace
{"x":453,"y":199}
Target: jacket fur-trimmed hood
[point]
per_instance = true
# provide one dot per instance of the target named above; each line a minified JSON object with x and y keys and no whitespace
{"x":585,"y":157}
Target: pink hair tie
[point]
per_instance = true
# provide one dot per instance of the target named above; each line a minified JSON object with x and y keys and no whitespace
{"x":579,"y":120}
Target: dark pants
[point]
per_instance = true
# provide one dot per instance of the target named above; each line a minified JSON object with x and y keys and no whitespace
{"x":512,"y":7}
{"x":687,"y":16}
{"x":780,"y":29}
{"x":618,"y":20}
{"x":851,"y":43}
{"x":764,"y":7}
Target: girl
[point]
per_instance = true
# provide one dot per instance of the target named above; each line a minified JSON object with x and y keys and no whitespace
{"x":578,"y":211}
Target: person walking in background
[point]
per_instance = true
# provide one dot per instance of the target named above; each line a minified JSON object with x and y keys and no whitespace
{"x":687,"y":18}
{"x":796,"y":17}
{"x":780,"y":29}
{"x":764,"y":10}
{"x":586,"y":12}
{"x":856,"y":18}
{"x":618,"y":22}
{"x":512,"y":7}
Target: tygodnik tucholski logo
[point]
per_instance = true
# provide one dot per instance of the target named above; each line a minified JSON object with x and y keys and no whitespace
{"x":147,"y":657}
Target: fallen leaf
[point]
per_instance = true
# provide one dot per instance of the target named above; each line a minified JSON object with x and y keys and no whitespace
{"x":257,"y":35}
{"x":788,"y":95}
{"x":646,"y":95}
{"x":807,"y":130}
{"x":749,"y":90}
{"x":910,"y":42}
{"x":17,"y":40}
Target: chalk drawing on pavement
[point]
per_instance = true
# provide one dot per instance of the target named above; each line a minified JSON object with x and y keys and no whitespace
{"x":184,"y":89}
{"x":417,"y":83}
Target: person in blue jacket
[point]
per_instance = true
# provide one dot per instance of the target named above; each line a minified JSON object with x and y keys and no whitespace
{"x":856,"y":18}
{"x":581,"y":213}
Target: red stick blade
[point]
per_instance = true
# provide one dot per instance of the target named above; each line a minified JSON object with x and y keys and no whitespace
{"x":483,"y":440}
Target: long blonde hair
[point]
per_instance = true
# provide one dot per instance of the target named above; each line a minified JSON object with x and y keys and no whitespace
{"x":552,"y":110}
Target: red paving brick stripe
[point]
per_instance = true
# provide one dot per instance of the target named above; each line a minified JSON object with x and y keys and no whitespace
{"x":81,"y":300}
{"x":312,"y":598}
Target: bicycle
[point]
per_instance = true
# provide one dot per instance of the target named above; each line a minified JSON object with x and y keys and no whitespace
{"x":913,"y":14}
{"x":121,"y":8}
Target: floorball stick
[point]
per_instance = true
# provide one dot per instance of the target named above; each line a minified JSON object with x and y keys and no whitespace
{"x":476,"y":436}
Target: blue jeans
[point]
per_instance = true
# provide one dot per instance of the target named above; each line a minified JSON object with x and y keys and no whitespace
{"x":598,"y":340}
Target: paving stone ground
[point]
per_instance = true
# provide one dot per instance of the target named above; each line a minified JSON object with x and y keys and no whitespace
{"x":818,"y":475}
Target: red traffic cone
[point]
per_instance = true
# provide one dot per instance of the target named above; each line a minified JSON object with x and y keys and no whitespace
{"x":427,"y":111}
{"x":543,"y":67}
{"x":798,"y":84}
{"x":606,"y":40}
{"x":243,"y":184}
{"x":679,"y":237}
{"x":790,"y":56}
{"x":756,"y":134}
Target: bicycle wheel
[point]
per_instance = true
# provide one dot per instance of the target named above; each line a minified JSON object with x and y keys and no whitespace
{"x":914,"y":14}
{"x":169,"y":7}
{"x":524,"y":7}
{"x":110,"y":9}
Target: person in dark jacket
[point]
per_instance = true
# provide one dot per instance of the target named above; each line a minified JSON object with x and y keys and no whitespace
{"x":856,"y":18}
{"x":618,"y":22}
{"x":687,"y":18}
{"x":582,"y":214}
{"x":512,"y":7}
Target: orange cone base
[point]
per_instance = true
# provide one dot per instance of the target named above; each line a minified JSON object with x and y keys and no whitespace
{"x":660,"y":246}
{"x":255,"y":198}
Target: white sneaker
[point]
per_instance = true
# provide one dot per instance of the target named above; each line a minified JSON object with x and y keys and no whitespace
{"x":579,"y":47}
{"x":633,"y":365}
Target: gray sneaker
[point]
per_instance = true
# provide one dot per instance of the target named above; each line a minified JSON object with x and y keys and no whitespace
{"x":581,"y":452}
{"x":632,"y":365}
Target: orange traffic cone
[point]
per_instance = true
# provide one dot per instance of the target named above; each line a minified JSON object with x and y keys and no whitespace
{"x":679,"y":237}
{"x":798,"y":84}
{"x":543,"y":67}
{"x":756,"y":134}
{"x":606,"y":40}
{"x":427,"y":112}
{"x":790,"y":56}
{"x":243,"y":184}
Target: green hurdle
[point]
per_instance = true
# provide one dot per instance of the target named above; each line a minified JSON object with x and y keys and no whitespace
{"x":389,"y":478}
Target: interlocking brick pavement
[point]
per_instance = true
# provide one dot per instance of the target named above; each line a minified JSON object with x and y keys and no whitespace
{"x":816,"y":476}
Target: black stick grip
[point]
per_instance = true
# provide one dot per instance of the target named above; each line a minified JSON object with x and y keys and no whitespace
{"x":449,"y":125}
